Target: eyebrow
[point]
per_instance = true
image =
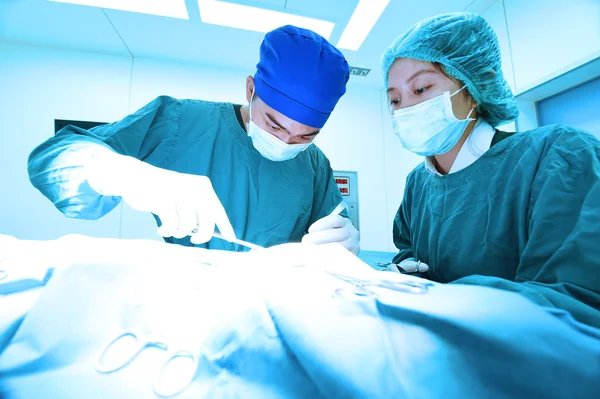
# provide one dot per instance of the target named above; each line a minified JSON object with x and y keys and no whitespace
{"x":414,"y":76}
{"x":274,"y":121}
{"x":419,"y":73}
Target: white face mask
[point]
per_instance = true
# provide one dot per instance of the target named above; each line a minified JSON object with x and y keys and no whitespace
{"x":270,"y":146}
{"x":430,"y":128}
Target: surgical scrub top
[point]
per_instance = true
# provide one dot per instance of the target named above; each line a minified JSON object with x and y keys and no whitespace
{"x":267,"y":202}
{"x":524,"y":217}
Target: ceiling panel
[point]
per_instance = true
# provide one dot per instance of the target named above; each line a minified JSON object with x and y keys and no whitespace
{"x":187,"y":41}
{"x":396,"y":19}
{"x":277,"y":5}
{"x":338,"y":11}
{"x":59,"y":25}
{"x":481,"y":6}
{"x":191,"y":41}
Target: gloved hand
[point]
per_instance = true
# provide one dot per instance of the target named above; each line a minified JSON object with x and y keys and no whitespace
{"x":410,"y":265}
{"x":187,"y":205}
{"x":334,"y":228}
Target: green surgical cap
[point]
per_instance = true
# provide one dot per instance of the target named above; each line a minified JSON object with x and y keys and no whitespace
{"x":468,"y":49}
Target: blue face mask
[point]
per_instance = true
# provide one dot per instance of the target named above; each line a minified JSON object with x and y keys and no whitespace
{"x":430,"y":128}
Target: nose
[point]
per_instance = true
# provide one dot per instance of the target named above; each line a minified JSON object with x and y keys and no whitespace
{"x":282,"y":136}
{"x":402,"y":105}
{"x":287,"y":139}
{"x":408,"y":103}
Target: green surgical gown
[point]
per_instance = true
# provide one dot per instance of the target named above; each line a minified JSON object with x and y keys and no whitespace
{"x":524,"y":217}
{"x":267,"y":202}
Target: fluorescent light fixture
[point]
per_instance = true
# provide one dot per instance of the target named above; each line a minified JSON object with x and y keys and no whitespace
{"x":364,"y":18}
{"x":163,"y":8}
{"x":257,"y":19}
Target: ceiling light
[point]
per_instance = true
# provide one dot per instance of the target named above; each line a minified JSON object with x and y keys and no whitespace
{"x":257,"y":19}
{"x":363,"y":19}
{"x":163,"y":8}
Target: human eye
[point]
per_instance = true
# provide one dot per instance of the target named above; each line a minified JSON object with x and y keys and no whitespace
{"x":274,"y":127}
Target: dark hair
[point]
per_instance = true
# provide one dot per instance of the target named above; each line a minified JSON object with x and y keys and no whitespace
{"x":441,"y":69}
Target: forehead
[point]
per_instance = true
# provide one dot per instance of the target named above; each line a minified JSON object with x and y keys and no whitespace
{"x":283,"y":120}
{"x":404,"y":68}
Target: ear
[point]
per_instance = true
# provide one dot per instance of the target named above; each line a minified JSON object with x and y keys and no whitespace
{"x":249,"y":88}
{"x":470,"y":100}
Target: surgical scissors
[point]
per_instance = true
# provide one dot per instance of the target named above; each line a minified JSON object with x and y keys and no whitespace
{"x":162,"y":319}
{"x":144,"y":341}
{"x":361,"y":287}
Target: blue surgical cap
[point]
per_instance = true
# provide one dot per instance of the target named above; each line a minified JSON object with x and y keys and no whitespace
{"x":301,"y":75}
{"x":468,"y":49}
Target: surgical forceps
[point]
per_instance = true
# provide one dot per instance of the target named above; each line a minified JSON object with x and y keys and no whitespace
{"x":342,"y":205}
{"x":362,"y":287}
{"x":240,"y":242}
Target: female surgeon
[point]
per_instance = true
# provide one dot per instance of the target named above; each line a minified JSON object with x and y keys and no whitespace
{"x":514,"y":211}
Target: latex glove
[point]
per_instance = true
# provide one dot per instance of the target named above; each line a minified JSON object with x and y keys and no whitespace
{"x":186,"y":204}
{"x":334,"y":229}
{"x":410,"y":265}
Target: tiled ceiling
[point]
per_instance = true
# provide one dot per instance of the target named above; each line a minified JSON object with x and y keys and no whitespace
{"x":108,"y":31}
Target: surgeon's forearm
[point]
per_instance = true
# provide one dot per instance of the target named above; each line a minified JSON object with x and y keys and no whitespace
{"x":58,"y":168}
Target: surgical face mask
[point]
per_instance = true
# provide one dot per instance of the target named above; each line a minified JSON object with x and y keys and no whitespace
{"x":430,"y":128}
{"x":270,"y":146}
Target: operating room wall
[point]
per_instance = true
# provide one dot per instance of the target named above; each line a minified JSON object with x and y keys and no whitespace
{"x":541,"y":40}
{"x":42,"y":84}
{"x":545,"y":41}
{"x":496,"y":17}
{"x":550,"y":37}
{"x":577,"y":107}
{"x":38,"y":85}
